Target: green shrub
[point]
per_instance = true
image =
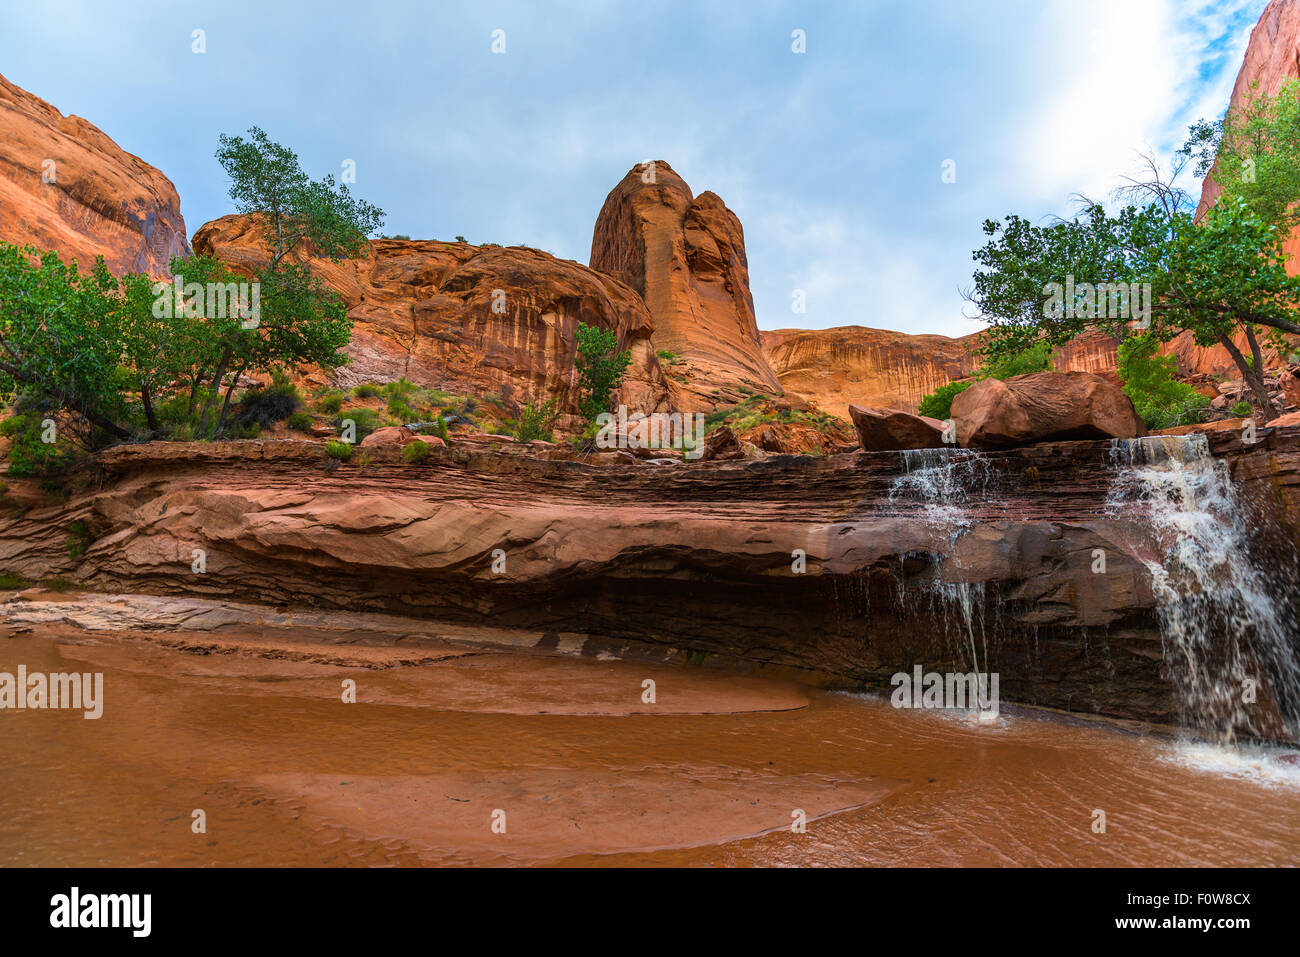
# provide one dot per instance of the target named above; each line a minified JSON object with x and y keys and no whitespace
{"x":1161,"y":400}
{"x":29,"y":456}
{"x":1241,"y":409}
{"x":400,"y":410}
{"x":366,"y":391}
{"x":366,"y":420}
{"x":300,"y":422}
{"x":600,"y":364}
{"x":401,"y":388}
{"x":415,"y":451}
{"x":9,"y":580}
{"x":440,"y":429}
{"x":535,"y":421}
{"x":1037,"y":358}
{"x":265,"y":407}
{"x":338,"y":450}
{"x":330,"y":403}
{"x":938,"y":404}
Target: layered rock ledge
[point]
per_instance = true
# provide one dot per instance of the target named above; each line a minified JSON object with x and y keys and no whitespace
{"x":701,"y":560}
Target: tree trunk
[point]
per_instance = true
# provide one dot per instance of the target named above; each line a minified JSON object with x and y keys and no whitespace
{"x":1253,"y":377}
{"x":216,"y":388}
{"x":225,"y":406}
{"x":147,"y":400}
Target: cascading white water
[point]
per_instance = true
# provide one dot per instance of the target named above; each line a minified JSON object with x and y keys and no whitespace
{"x":942,"y":482}
{"x":1222,"y":625}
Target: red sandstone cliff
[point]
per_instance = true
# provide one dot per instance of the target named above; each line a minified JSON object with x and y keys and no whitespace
{"x":477,"y":319}
{"x":873,"y":367}
{"x":66,"y":186}
{"x":685,"y":255}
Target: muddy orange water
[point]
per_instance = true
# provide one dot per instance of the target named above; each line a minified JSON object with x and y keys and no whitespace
{"x":565,"y":754}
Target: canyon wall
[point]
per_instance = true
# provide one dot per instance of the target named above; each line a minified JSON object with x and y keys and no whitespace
{"x":872,"y":367}
{"x":66,"y":186}
{"x":473,"y":319}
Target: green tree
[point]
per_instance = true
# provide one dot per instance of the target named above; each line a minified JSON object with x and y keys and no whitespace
{"x":60,"y":335}
{"x":601,"y":367}
{"x":1159,"y":398}
{"x":1223,"y":279}
{"x":1036,"y":358}
{"x":301,"y":321}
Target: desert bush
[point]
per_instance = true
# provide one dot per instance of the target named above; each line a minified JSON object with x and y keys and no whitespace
{"x":535,"y":421}
{"x":415,"y":451}
{"x":265,"y":407}
{"x":338,"y":450}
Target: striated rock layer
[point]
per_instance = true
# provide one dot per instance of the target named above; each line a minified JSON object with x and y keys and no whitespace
{"x":697,"y":558}
{"x":66,"y":186}
{"x":477,"y":319}
{"x":873,"y":367}
{"x":685,"y":255}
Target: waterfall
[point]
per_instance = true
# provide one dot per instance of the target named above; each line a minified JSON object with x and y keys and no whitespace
{"x":943,"y":483}
{"x":1221,"y":621}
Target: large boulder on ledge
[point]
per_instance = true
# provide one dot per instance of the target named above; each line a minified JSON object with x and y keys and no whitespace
{"x":1043,"y":407}
{"x":890,"y":430}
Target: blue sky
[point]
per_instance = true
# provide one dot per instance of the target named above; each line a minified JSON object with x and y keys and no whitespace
{"x":832,"y":159}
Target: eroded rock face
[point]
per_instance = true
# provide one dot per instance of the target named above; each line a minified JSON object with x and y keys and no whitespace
{"x":886,"y":430}
{"x":696,"y":557}
{"x":424,"y":309}
{"x":1043,"y":407}
{"x":64,"y":185}
{"x":871,"y":367}
{"x":685,"y":255}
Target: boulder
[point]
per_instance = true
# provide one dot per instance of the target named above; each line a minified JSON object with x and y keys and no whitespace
{"x":1290,"y":382}
{"x":1222,"y":425}
{"x":889,"y":430}
{"x":722,"y":444}
{"x":1291,"y":418}
{"x":393,"y":435}
{"x":1043,"y":407}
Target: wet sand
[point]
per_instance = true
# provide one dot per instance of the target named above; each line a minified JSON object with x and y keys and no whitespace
{"x":251,"y":728}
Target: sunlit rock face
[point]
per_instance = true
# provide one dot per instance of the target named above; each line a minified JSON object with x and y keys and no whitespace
{"x":476,"y":319}
{"x":873,"y":367}
{"x":685,"y":255}
{"x":64,"y":185}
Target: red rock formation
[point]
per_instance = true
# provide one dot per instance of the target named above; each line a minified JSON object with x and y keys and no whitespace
{"x":1272,"y":57}
{"x":887,"y":430}
{"x":99,"y":200}
{"x":872,"y":367}
{"x":425,"y":310}
{"x":1043,"y":407}
{"x":685,"y":255}
{"x":692,"y":556}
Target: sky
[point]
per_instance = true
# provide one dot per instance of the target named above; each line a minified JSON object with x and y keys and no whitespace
{"x":833,"y":158}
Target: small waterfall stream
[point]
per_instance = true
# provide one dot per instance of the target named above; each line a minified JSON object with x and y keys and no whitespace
{"x":943,"y":483}
{"x":1222,"y":623}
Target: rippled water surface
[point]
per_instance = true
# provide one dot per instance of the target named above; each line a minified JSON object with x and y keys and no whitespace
{"x":286,"y":773}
